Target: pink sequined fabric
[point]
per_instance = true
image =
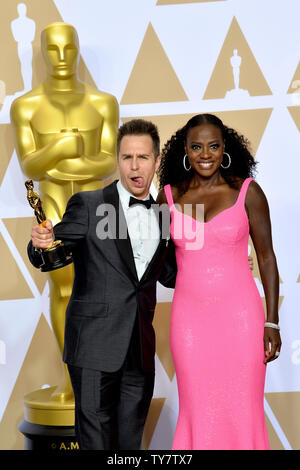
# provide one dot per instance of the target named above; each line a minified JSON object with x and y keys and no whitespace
{"x":216,"y":337}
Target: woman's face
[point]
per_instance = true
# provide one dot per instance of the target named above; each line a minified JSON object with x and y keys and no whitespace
{"x":205,"y":147}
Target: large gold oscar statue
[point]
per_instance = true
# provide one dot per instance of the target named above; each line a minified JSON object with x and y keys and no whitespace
{"x":65,"y":138}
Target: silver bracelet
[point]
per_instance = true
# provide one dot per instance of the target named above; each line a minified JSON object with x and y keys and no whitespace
{"x":272,"y":325}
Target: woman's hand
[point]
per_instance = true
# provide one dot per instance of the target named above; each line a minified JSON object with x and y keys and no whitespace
{"x":272,"y":343}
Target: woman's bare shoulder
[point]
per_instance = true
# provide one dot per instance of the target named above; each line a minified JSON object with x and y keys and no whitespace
{"x":162,"y":198}
{"x":256,"y":197}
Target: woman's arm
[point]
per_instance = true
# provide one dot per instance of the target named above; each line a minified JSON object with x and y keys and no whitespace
{"x":169,"y":272}
{"x":261,"y":234}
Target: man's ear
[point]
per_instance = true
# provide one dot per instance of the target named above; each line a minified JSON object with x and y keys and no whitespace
{"x":157,"y":162}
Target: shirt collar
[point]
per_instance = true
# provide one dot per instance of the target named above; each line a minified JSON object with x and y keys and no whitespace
{"x":125,"y":195}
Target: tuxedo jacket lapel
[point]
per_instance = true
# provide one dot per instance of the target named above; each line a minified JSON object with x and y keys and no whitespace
{"x":122,"y":240}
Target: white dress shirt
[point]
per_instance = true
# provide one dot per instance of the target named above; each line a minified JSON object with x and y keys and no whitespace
{"x":143,"y":230}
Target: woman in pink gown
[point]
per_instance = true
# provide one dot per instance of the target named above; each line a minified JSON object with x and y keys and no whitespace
{"x":220,"y":342}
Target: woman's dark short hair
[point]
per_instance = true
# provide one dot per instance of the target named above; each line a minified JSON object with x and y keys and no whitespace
{"x":140,"y":127}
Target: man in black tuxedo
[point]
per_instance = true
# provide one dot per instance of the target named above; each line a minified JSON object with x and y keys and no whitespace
{"x":119,"y":255}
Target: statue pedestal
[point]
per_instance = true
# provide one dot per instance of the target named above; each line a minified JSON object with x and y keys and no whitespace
{"x":48,"y":424}
{"x":48,"y":438}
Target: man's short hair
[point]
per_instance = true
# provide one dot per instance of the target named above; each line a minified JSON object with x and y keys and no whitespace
{"x":140,"y":127}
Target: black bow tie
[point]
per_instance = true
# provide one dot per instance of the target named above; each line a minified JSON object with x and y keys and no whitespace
{"x":147,"y":203}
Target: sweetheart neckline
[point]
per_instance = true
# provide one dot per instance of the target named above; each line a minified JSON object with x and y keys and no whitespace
{"x":219,"y":213}
{"x":208,"y":221}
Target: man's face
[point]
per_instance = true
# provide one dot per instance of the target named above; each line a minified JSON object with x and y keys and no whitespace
{"x":137,"y":164}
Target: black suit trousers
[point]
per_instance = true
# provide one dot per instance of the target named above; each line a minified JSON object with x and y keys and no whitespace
{"x":111,"y":407}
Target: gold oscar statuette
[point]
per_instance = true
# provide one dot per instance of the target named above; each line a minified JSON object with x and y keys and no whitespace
{"x":54,"y":256}
{"x":65,"y":137}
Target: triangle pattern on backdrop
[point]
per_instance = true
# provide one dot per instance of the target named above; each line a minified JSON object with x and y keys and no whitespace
{"x":19,"y":229}
{"x":249,"y":122}
{"x":12,"y":282}
{"x":143,"y":85}
{"x":155,"y":410}
{"x":42,"y":365}
{"x":240,"y":64}
{"x":6,"y":148}
{"x":295,"y":113}
{"x":10,"y":65}
{"x":274,"y":441}
{"x":295,"y":83}
{"x":285,"y":406}
{"x":9,"y":61}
